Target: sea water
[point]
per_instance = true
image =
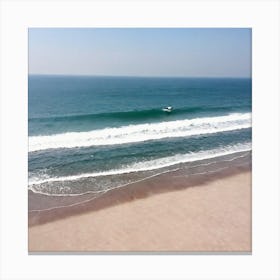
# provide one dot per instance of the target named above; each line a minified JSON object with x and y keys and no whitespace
{"x":92,"y":134}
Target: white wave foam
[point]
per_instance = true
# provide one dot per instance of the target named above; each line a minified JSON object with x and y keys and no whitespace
{"x":154,"y":164}
{"x":141,"y":132}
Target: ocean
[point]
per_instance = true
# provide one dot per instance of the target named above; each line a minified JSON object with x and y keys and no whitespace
{"x":92,"y":134}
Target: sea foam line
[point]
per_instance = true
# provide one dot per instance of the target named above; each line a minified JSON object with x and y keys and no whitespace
{"x":100,"y":193}
{"x":141,"y":132}
{"x":153,"y":164}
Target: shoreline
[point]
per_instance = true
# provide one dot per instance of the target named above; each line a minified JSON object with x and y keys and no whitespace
{"x":72,"y":205}
{"x":164,"y":213}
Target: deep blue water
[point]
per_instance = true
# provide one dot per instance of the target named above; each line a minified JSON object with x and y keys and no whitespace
{"x":96,"y":127}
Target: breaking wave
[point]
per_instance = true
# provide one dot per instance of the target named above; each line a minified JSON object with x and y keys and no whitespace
{"x":141,"y":132}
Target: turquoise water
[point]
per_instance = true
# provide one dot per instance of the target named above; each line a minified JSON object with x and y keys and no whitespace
{"x":95,"y":133}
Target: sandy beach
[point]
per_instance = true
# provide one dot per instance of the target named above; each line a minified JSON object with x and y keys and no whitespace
{"x":210,"y":213}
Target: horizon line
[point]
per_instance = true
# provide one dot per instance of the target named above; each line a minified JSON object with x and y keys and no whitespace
{"x":139,"y":76}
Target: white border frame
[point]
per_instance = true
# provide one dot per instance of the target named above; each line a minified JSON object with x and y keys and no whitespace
{"x":262,"y":16}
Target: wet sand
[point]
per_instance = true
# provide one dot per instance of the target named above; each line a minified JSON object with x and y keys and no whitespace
{"x":168,"y":213}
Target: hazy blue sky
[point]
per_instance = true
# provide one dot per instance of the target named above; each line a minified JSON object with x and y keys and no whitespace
{"x":195,"y":52}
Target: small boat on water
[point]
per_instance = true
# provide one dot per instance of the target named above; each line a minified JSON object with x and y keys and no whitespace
{"x":168,"y":109}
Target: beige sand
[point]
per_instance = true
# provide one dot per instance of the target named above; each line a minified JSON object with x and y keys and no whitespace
{"x":215,"y":216}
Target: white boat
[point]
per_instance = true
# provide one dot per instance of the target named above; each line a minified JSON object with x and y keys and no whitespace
{"x":167,"y":109}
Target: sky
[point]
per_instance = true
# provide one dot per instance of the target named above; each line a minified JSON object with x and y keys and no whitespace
{"x":171,"y":52}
